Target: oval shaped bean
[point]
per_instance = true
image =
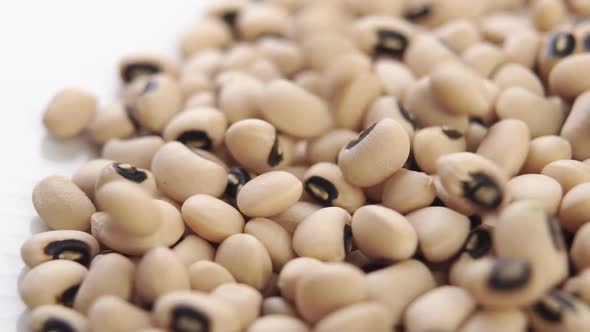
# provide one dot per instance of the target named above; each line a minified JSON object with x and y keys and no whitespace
{"x":459,"y":34}
{"x":69,"y":112}
{"x":76,"y":246}
{"x":212,"y":218}
{"x":522,"y":47}
{"x":540,"y":188}
{"x":135,"y":151}
{"x":579,"y":285}
{"x":484,"y":58}
{"x":558,"y":311}
{"x":86,"y":175}
{"x":200,"y":99}
{"x":259,"y":20}
{"x":110,"y":313}
{"x":209,"y":33}
{"x":257,"y":146}
{"x":181,"y":173}
{"x":353,"y":99}
{"x":499,"y":26}
{"x":246,"y":259}
{"x":389,"y":107}
{"x":62,"y":205}
{"x":206,"y":276}
{"x":325,"y":183}
{"x":564,"y":79}
{"x":285,"y":54}
{"x":275,"y":239}
{"x":329,"y":288}
{"x":118,"y":172}
{"x":292,"y":272}
{"x":158,"y":273}
{"x":514,"y":75}
{"x":244,"y":299}
{"x":201,"y":128}
{"x":344,"y":68}
{"x":269,"y":194}
{"x":441,"y":232}
{"x":320,"y":48}
{"x":574,"y":210}
{"x":395,"y":77}
{"x":328,"y":227}
{"x":433,"y":142}
{"x":425,"y":53}
{"x":406,"y":191}
{"x":53,"y":282}
{"x":509,"y":320}
{"x":381,"y":233}
{"x":112,"y":121}
{"x":569,"y":173}
{"x":238,"y":99}
{"x":136,"y":65}
{"x":112,"y":274}
{"x":276,"y":305}
{"x":278,"y":323}
{"x":327,"y":147}
{"x":580,"y":250}
{"x":370,"y":316}
{"x":575,"y":127}
{"x":293,"y":216}
{"x":193,"y":249}
{"x":57,"y":318}
{"x":376,"y":154}
{"x":506,"y":144}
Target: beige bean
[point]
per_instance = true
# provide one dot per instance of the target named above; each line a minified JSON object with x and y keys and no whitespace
{"x":292,"y":272}
{"x":354,"y":98}
{"x":286,"y":55}
{"x":569,"y":173}
{"x":459,"y":34}
{"x":293,"y":216}
{"x":564,"y":79}
{"x":344,"y":68}
{"x":382,"y":35}
{"x":383,"y":234}
{"x":395,"y":77}
{"x":135,"y":65}
{"x":212,"y":218}
{"x":112,"y":121}
{"x":209,"y":33}
{"x":574,"y":210}
{"x":200,"y":99}
{"x":135,"y":151}
{"x":441,"y":232}
{"x":113,"y":274}
{"x":118,"y":172}
{"x":61,"y":204}
{"x":522,"y":47}
{"x":77,"y":246}
{"x":554,"y":48}
{"x":474,"y":135}
{"x":326,"y":184}
{"x":245,"y":300}
{"x":239,"y":57}
{"x":457,"y":203}
{"x":575,"y":126}
{"x":444,"y":308}
{"x":193,"y":249}
{"x":259,"y":20}
{"x":57,"y":318}
{"x":201,"y":128}
{"x":69,"y":112}
{"x":192,"y":84}
{"x":200,"y":68}
{"x":86,"y":175}
{"x":506,"y":144}
{"x":324,"y":235}
{"x":406,"y":191}
{"x":433,"y":142}
{"x":276,"y":305}
{"x":580,"y":249}
{"x":579,"y":285}
{"x":581,"y":7}
{"x":369,"y":316}
{"x":269,"y":194}
{"x":497,"y":27}
{"x":543,"y":151}
{"x":158,"y":273}
{"x":278,"y":323}
{"x":206,"y":276}
{"x":425,"y":53}
{"x":53,"y":282}
{"x":437,"y":13}
{"x":547,"y":14}
{"x":314,"y":82}
{"x":238,"y":99}
{"x":327,"y":147}
{"x":540,"y":188}
{"x":558,"y":311}
{"x":246,"y":259}
{"x":487,"y":320}
{"x":516,"y":75}
{"x":399,"y":285}
{"x":388,"y":107}
{"x":275,"y":239}
{"x":110,"y":313}
{"x":177,"y":171}
{"x":484,"y":58}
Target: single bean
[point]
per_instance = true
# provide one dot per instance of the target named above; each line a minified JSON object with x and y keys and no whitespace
{"x":285,"y":54}
{"x":292,"y":272}
{"x":522,"y":47}
{"x":370,"y":316}
{"x":193,"y":249}
{"x":425,"y":53}
{"x":509,"y":320}
{"x":205,"y":276}
{"x":110,"y":313}
{"x":558,"y":311}
{"x":112,"y":121}
{"x":211,"y":218}
{"x":275,"y":239}
{"x":538,"y":187}
{"x":209,"y":33}
{"x":575,"y":126}
{"x":276,"y":305}
{"x":200,"y":99}
{"x":273,"y":323}
{"x":484,"y":58}
{"x":574,"y":210}
{"x":135,"y":151}
{"x":459,"y":34}
{"x":201,"y":128}
{"x":257,"y":20}
{"x":569,"y":173}
{"x":353,"y":99}
{"x":395,"y":77}
{"x":86,"y":175}
{"x":76,"y":246}
{"x":579,"y":286}
{"x":245,"y":300}
{"x":238,"y":99}
{"x":564,"y":78}
{"x":269,"y":194}
{"x":69,"y":112}
{"x":119,"y":172}
{"x":57,"y":318}
{"x":547,"y":14}
{"x":579,"y":251}
{"x":135,"y":65}
{"x":433,"y":142}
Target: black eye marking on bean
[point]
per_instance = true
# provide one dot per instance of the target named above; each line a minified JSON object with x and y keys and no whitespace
{"x":230,"y":19}
{"x":451,"y":133}
{"x":75,"y":250}
{"x":482,"y":190}
{"x":362,"y":136}
{"x":390,"y":43}
{"x":509,"y":273}
{"x":237,"y":177}
{"x":275,"y":156}
{"x":150,"y":86}
{"x":347,"y":239}
{"x":196,"y":139}
{"x":321,"y":190}
{"x":586,"y":42}
{"x":478,"y":243}
{"x":475,"y":221}
{"x":552,"y":306}
{"x":189,"y":319}
{"x":67,"y":297}
{"x":130,"y":173}
{"x":56,"y":325}
{"x":133,"y":70}
{"x":129,"y":112}
{"x":555,"y":233}
{"x":406,"y":114}
{"x":561,"y":44}
{"x":418,"y":13}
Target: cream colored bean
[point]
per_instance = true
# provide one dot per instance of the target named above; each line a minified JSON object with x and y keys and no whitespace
{"x":509,"y":320}
{"x":206,"y":276}
{"x":275,"y":239}
{"x":86,"y":175}
{"x":569,"y":173}
{"x":69,"y":112}
{"x":292,"y":272}
{"x":238,"y":99}
{"x":200,"y":99}
{"x":579,"y":285}
{"x":135,"y":65}
{"x":323,"y":235}
{"x":506,"y":144}
{"x":326,"y":184}
{"x":433,"y":142}
{"x":522,"y":47}
{"x":484,"y":58}
{"x":370,"y":316}
{"x":457,"y":203}
{"x":201,"y":67}
{"x":212,"y":218}
{"x":53,"y":282}
{"x":118,"y":172}
{"x":278,"y":323}
{"x":459,"y":34}
{"x":580,"y":250}
{"x":110,"y":313}
{"x":277,"y":305}
{"x":474,"y":135}
{"x":395,"y":77}
{"x":62,"y":205}
{"x":245,"y":300}
{"x":327,"y":147}
{"x":558,"y":311}
{"x":564,"y":79}
{"x":313,"y":82}
{"x":112,"y":274}
{"x":575,"y":126}
{"x":406,"y":191}
{"x":389,"y":107}
{"x":540,"y":188}
{"x":425,"y":53}
{"x":547,"y":14}
{"x":498,"y":27}
{"x":320,"y":48}
{"x":77,"y":246}
{"x":158,"y":273}
{"x":515,"y":75}
{"x":181,"y":173}
{"x":112,"y":121}
{"x":246,"y":259}
{"x":383,"y":234}
{"x":258,"y":20}
{"x":193,"y":249}
{"x":209,"y":33}
{"x":353,"y":99}
{"x":57,"y":318}
{"x":269,"y":194}
{"x":293,"y":216}
{"x":285,"y":54}
{"x":441,"y":232}
{"x":581,"y":7}
{"x":437,"y":13}
{"x":201,"y":128}
{"x":344,"y":68}
{"x":135,"y":151}
{"x":574,"y":210}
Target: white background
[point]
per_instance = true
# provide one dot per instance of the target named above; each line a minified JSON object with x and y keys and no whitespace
{"x":45,"y":45}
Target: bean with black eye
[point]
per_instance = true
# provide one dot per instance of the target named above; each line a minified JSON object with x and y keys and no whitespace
{"x":206,"y":276}
{"x":77,"y":246}
{"x":257,"y":146}
{"x":237,"y":177}
{"x":370,"y":316}
{"x":69,"y":112}
{"x":227,"y":11}
{"x":326,"y":184}
{"x":559,"y":311}
{"x":111,"y":274}
{"x":569,"y":173}
{"x":474,"y":179}
{"x":61,"y":204}
{"x":116,"y":172}
{"x":57,"y":318}
{"x":134,"y":151}
{"x":433,"y":142}
{"x":110,"y":313}
{"x":382,"y":36}
{"x":509,"y":320}
{"x":579,"y":286}
{"x":112,"y":121}
{"x":536,"y":187}
{"x":484,"y":58}
{"x":245,"y":300}
{"x":201,"y":128}
{"x":52,"y":282}
{"x":506,"y":144}
{"x":144,"y":64}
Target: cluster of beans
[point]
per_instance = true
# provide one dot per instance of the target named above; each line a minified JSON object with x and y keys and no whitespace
{"x":333,"y":165}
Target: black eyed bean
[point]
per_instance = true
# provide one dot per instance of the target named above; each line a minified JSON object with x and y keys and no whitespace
{"x":206,"y":276}
{"x":57,"y":318}
{"x":52,"y":282}
{"x":201,"y":128}
{"x":269,"y":194}
{"x":559,"y":311}
{"x":212,"y":218}
{"x":180,"y":173}
{"x":62,"y":205}
{"x":258,"y":20}
{"x":506,"y":144}
{"x":516,"y":75}
{"x":121,"y":172}
{"x":135,"y":151}
{"x":210,"y":33}
{"x":110,"y":313}
{"x":459,"y":34}
{"x":564,"y":79}
{"x":433,"y":142}
{"x":112,"y":274}
{"x":537,"y":187}
{"x":237,"y":177}
{"x":569,"y":173}
{"x":327,"y":147}
{"x":76,"y":246}
{"x":69,"y":112}
{"x":294,"y":215}
{"x":245,"y":300}
{"x":321,"y":48}
{"x":574,"y":210}
{"x":113,"y":121}
{"x":136,"y":65}
{"x":406,"y":191}
{"x":547,"y":14}
{"x":497,"y":27}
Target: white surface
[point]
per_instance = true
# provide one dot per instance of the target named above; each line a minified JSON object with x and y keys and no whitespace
{"x":45,"y":45}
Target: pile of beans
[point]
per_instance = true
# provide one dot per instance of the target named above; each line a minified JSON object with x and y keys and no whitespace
{"x":330,"y":165}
